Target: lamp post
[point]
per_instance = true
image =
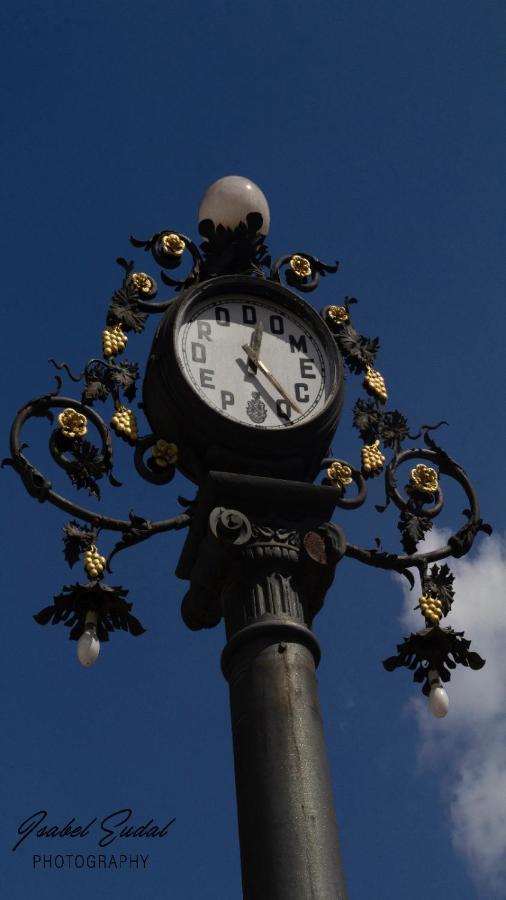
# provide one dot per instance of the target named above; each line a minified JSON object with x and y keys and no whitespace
{"x":243,"y":392}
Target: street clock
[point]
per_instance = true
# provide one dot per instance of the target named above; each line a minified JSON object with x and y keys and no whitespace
{"x":245,"y":375}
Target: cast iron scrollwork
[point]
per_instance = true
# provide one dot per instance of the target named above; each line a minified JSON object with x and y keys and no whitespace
{"x":224,"y":251}
{"x":39,"y":487}
{"x":243,"y":250}
{"x":433,"y":649}
{"x":159,"y":467}
{"x":230,"y":526}
{"x":301,"y":270}
{"x":340,"y":474}
{"x":167,"y":248}
{"x":84,"y":464}
{"x":416,"y":516}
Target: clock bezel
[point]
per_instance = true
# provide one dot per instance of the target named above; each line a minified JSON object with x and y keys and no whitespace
{"x":177,"y":412}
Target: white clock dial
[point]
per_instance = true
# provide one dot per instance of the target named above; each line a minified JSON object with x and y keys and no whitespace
{"x":291,"y":381}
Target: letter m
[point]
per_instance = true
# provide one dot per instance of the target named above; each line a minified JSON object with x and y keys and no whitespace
{"x":299,"y":344}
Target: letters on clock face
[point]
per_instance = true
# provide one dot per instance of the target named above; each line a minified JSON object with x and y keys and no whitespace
{"x":254,"y":362}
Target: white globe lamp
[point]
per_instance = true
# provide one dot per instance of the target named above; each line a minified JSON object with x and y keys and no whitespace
{"x":228,"y":201}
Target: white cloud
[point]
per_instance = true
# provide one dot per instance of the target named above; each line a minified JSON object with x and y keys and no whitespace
{"x":472,"y":738}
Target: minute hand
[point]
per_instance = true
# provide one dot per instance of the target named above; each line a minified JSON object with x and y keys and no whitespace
{"x":268,"y":374}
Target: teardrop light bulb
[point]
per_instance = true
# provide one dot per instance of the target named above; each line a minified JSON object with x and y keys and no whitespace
{"x":438,"y":698}
{"x":88,"y":645}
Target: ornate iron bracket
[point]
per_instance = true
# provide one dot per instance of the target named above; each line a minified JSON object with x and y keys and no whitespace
{"x":227,"y":538}
{"x":433,"y":649}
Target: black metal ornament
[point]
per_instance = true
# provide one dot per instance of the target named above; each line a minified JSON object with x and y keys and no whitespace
{"x":231,"y":260}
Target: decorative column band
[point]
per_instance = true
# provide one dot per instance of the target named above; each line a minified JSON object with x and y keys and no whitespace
{"x":269,"y":632}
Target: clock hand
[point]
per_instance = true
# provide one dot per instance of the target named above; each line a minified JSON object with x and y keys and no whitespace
{"x":252,"y":356}
{"x":256,"y":341}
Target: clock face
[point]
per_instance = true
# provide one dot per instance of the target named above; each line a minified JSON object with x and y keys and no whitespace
{"x":254,"y":361}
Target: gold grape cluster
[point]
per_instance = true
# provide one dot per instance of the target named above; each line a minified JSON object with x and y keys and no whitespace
{"x":114,"y":340}
{"x":94,"y":564}
{"x":374,"y":383}
{"x":164,"y":454}
{"x":338,"y":314}
{"x":372,"y":458}
{"x":431,"y":609}
{"x":300,"y":266}
{"x":125,"y":424}
{"x":172,"y":245}
{"x":72,"y":423}
{"x":339,"y":474}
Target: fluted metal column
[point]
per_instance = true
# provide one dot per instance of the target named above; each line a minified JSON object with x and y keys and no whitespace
{"x":267,"y":576}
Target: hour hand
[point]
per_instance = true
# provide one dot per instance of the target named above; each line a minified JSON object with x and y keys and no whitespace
{"x":255,"y":344}
{"x":253,"y":357}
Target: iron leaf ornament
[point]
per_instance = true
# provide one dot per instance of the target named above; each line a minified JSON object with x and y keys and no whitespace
{"x":434,"y":649}
{"x":76,"y":539}
{"x":125,"y":310}
{"x":413,"y":528}
{"x":75,"y":602}
{"x":105,"y":378}
{"x":87,"y":466}
{"x":229,"y":251}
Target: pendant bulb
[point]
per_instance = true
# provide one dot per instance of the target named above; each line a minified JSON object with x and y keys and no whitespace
{"x":438,"y":698}
{"x":88,"y":645}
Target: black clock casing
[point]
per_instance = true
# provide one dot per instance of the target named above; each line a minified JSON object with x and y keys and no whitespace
{"x":206,"y":438}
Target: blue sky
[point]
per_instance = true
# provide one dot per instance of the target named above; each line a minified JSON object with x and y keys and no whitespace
{"x":377,"y":133}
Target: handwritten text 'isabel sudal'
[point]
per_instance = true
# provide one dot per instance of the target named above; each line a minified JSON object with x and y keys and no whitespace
{"x":110,"y":828}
